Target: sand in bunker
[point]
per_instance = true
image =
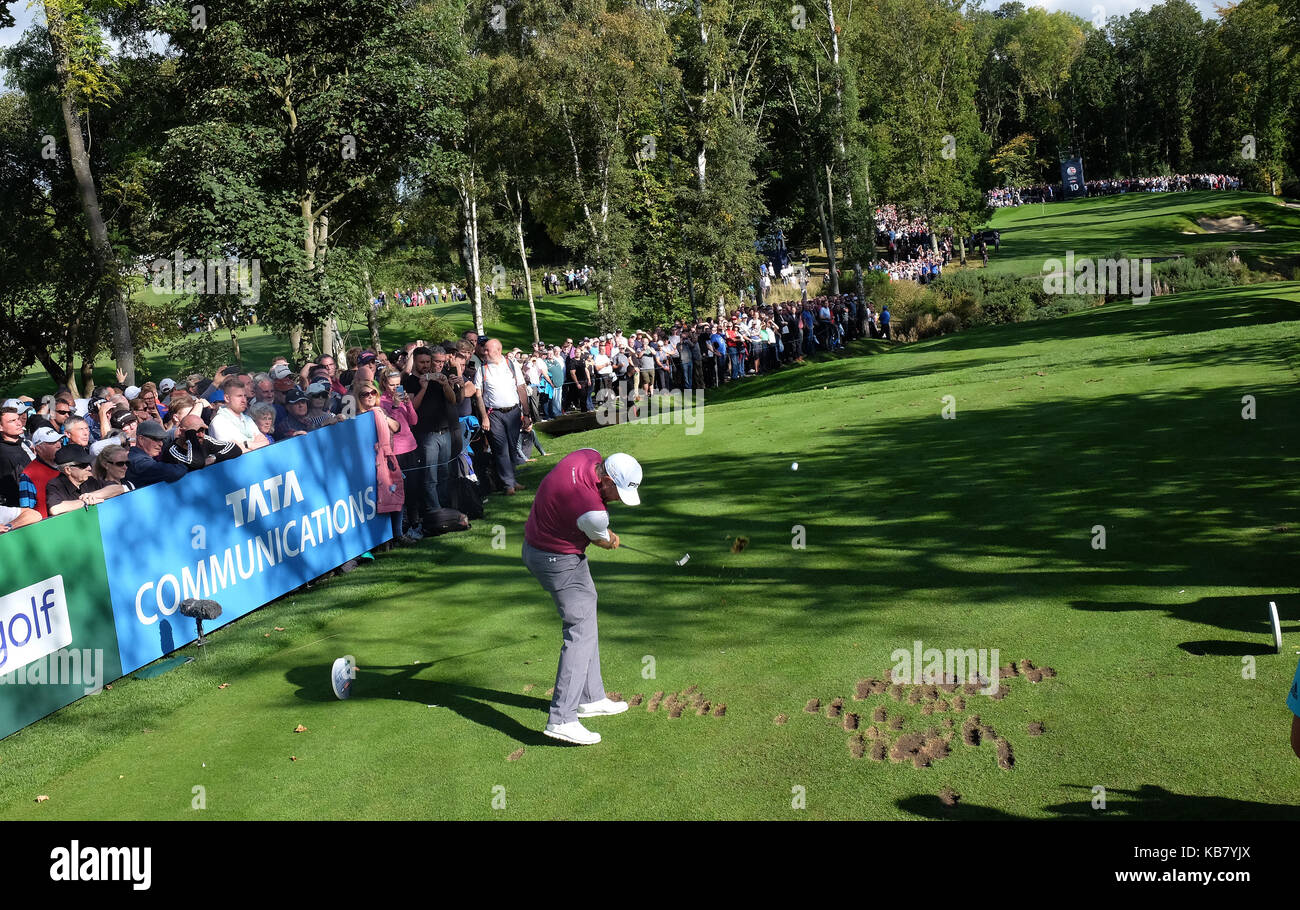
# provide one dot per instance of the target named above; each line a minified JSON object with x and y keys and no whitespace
{"x":1234,"y":224}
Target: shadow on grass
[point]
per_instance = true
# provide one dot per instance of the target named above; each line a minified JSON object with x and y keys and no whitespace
{"x":403,"y":683}
{"x":1147,"y":803}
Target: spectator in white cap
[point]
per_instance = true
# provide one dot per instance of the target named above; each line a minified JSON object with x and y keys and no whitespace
{"x":318,"y":400}
{"x":165,"y":388}
{"x":569,"y":513}
{"x":34,"y":477}
{"x":132,"y":392}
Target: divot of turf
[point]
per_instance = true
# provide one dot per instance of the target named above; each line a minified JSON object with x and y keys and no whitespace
{"x":739,"y":544}
{"x":857,"y":746}
{"x":906,"y":748}
{"x":1036,"y":728}
{"x":1048,"y":672}
{"x":1006,"y":760}
{"x":880,"y":715}
{"x":692,"y":689}
{"x":947,"y":722}
{"x":850,"y":721}
{"x":1001,"y":691}
{"x":896,"y":722}
{"x":1034,"y":675}
{"x":958,"y":703}
{"x":927,"y":709}
{"x":948,"y":796}
{"x":528,"y":688}
{"x":1026,"y":665}
{"x":720,"y":710}
{"x":896,"y":692}
{"x":914,"y":695}
{"x":636,"y":700}
{"x":780,"y":719}
{"x":970,"y":730}
{"x":516,"y":755}
{"x":878,"y":750}
{"x":835,"y":708}
{"x":676,"y":709}
{"x":703,"y":709}
{"x":814,"y":706}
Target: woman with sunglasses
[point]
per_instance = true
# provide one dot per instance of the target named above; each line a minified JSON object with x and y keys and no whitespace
{"x":110,"y":467}
{"x":388,"y":471}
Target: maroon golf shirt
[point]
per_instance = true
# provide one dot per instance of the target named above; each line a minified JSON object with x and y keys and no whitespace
{"x":570,"y":490}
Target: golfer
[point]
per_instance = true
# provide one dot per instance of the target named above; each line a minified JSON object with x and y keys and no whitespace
{"x":568,"y":513}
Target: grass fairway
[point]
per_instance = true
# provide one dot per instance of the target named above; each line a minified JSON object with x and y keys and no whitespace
{"x":1155,"y":225}
{"x":972,"y":532}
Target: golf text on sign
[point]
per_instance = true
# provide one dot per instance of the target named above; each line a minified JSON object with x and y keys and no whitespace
{"x":33,"y":623}
{"x":103,"y":864}
{"x":242,"y":532}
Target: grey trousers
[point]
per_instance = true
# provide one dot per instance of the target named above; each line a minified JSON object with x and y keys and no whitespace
{"x":567,"y":578}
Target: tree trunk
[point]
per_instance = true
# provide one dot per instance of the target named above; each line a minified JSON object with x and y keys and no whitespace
{"x":123,"y":349}
{"x":372,"y":319}
{"x":827,"y":239}
{"x":523,"y":257}
{"x":469,"y":233}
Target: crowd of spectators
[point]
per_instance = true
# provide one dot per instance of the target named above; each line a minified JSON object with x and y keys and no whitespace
{"x":1173,"y":183}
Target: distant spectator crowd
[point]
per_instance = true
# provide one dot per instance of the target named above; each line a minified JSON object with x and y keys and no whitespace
{"x":1173,"y":183}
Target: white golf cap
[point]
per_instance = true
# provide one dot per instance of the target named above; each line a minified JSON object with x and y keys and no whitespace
{"x":22,"y":407}
{"x":166,"y":386}
{"x":132,"y":392}
{"x":46,"y":434}
{"x":625,"y":471}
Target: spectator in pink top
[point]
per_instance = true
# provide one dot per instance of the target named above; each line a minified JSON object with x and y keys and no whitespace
{"x":568,"y":514}
{"x":397,"y":405}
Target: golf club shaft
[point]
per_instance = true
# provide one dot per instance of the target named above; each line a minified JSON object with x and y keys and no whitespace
{"x":628,"y":546}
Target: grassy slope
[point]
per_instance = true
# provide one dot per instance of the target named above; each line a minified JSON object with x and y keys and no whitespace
{"x":972,"y":532}
{"x":556,"y":315}
{"x":1145,"y":224}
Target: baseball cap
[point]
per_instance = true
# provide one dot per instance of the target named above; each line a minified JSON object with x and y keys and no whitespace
{"x":625,"y":471}
{"x":73,"y":454}
{"x":132,"y":392}
{"x":366,"y":357}
{"x":123,"y":419}
{"x":22,"y":407}
{"x":153,"y":429}
{"x":294,"y":395}
{"x":46,"y":434}
{"x":318,"y":388}
{"x":281,"y":371}
{"x":166,"y":386}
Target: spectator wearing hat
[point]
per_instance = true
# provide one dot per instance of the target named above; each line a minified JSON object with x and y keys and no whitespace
{"x":34,"y":478}
{"x":110,"y":466}
{"x":145,"y":466}
{"x":294,"y":422}
{"x":282,"y":380}
{"x":165,"y":389}
{"x":77,"y":485}
{"x":16,"y":453}
{"x":125,"y":423}
{"x":192,"y":449}
{"x":318,"y":401}
{"x":232,"y":423}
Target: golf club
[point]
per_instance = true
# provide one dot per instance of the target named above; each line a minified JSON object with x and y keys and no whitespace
{"x":679,"y":562}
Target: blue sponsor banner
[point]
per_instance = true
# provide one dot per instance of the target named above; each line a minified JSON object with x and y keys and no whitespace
{"x":242,"y":532}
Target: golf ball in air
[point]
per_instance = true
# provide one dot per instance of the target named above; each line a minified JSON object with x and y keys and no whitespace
{"x":795,"y":466}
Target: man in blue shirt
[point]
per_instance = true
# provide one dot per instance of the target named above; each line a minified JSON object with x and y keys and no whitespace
{"x":144,"y":468}
{"x":884,"y":321}
{"x":719,"y":351}
{"x":1293,"y":702}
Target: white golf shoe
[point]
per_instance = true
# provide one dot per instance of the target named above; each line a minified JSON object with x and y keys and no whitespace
{"x":572,"y":732}
{"x":601,"y":708}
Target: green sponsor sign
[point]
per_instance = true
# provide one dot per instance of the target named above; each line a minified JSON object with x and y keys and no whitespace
{"x":57,"y":638}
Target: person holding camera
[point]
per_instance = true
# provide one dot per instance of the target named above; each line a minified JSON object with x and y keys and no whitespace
{"x":434,"y":398}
